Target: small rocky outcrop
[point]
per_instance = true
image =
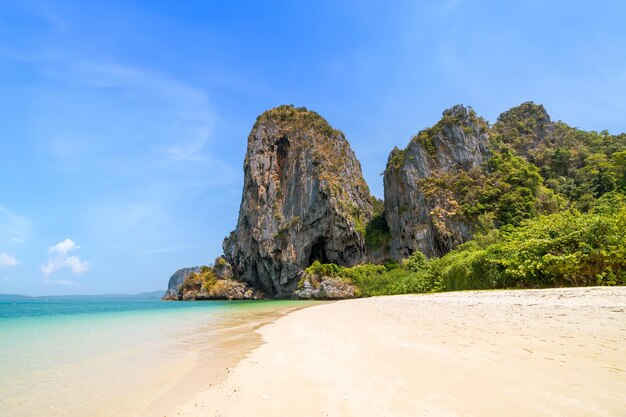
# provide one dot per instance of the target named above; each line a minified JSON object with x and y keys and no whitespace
{"x":176,"y":281}
{"x":212,"y":283}
{"x":421,"y":214}
{"x":223,"y":289}
{"x":327,"y":289}
{"x":320,"y":286}
{"x":304,"y":199}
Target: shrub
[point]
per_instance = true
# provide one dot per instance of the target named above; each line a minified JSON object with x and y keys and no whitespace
{"x":563,"y":249}
{"x":371,"y":280}
{"x":323,"y":270}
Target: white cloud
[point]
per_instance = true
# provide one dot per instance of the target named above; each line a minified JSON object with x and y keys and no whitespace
{"x":75,"y":265}
{"x":60,"y":260}
{"x":63,"y":247}
{"x":7,"y":260}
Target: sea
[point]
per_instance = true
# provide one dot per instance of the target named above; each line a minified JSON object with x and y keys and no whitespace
{"x":120,"y":357}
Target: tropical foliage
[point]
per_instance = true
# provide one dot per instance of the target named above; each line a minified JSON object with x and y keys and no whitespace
{"x":563,"y":249}
{"x":568,"y":248}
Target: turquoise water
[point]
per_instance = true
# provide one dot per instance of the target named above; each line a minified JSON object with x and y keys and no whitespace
{"x":39,"y":308}
{"x":102,"y":358}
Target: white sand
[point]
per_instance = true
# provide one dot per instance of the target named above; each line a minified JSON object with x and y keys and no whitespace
{"x":499,"y":353}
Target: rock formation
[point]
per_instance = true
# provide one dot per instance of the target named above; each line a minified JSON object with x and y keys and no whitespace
{"x":324,"y":288}
{"x":176,"y":281}
{"x":325,"y":282}
{"x":209,"y":283}
{"x":422,"y":215}
{"x":304,"y":199}
{"x":227,"y":289}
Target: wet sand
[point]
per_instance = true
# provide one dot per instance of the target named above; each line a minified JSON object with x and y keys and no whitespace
{"x":213,"y":351}
{"x":556,"y":352}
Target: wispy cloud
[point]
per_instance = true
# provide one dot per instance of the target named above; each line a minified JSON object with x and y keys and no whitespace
{"x":189,"y":151}
{"x":14,"y":228}
{"x":45,"y":12}
{"x":12,"y":55}
{"x":187,"y":106}
{"x":168,"y":249}
{"x":174,"y":126}
{"x":450,"y":5}
{"x":64,"y":282}
{"x":7,"y":260}
{"x":61,"y":259}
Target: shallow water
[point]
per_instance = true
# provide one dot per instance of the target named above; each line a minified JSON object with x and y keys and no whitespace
{"x":103,"y":358}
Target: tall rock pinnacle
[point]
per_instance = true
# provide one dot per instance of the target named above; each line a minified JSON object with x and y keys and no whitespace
{"x":304,"y":199}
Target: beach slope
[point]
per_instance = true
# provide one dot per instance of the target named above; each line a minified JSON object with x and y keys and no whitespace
{"x":556,"y":352}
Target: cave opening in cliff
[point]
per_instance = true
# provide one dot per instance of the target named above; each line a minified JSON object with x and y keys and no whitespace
{"x":318,"y":252}
{"x":282,"y":147}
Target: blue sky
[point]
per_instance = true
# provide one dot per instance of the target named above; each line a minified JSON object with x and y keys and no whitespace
{"x":124,"y":124}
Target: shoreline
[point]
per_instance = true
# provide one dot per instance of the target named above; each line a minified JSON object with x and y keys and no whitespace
{"x":215,"y":349}
{"x":488,"y":353}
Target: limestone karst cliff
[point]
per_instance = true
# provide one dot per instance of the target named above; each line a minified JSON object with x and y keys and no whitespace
{"x":420,"y":215}
{"x":304,"y":199}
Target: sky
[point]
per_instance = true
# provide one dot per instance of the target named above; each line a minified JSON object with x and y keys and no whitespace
{"x":123,"y":124}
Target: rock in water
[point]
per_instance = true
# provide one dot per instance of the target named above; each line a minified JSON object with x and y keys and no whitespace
{"x":304,"y":199}
{"x":176,"y":281}
{"x":420,"y":213}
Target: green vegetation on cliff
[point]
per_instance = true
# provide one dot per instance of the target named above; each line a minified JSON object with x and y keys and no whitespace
{"x":470,"y":122}
{"x":377,"y":233}
{"x":568,"y":248}
{"x":298,"y":118}
{"x":563,"y":249}
{"x":507,"y":186}
{"x":371,"y":280}
{"x":581,"y":166}
{"x":525,"y":166}
{"x":199,"y":281}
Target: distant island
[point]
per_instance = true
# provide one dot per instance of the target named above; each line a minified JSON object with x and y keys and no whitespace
{"x":152,"y":295}
{"x":523,"y":203}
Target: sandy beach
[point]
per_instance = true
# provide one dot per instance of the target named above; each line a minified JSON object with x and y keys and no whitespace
{"x":555,"y":352}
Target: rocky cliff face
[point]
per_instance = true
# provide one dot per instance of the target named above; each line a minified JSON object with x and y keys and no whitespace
{"x":176,"y":281}
{"x":304,"y":199}
{"x":420,"y":213}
